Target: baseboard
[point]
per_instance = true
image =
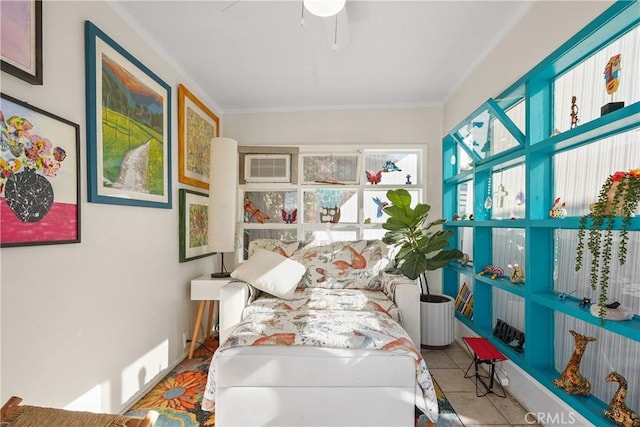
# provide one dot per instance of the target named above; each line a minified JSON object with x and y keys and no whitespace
{"x":151,"y":384}
{"x":544,"y":407}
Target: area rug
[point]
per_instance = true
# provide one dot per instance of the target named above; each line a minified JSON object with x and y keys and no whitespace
{"x":178,"y":396}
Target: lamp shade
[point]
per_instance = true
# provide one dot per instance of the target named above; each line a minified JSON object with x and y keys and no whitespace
{"x":324,"y":8}
{"x":223,"y":183}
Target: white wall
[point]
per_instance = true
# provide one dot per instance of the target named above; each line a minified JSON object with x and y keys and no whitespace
{"x":87,"y":325}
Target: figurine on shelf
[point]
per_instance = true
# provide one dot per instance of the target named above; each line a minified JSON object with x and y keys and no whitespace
{"x":613,"y":311}
{"x":574,"y":112}
{"x":497,"y":273}
{"x":487,"y":270}
{"x":516,"y":273}
{"x":466,"y":259}
{"x":456,"y":217}
{"x":572,"y":382}
{"x":612,"y":82}
{"x":618,"y":411}
{"x":558,"y":210}
{"x":585,"y":302}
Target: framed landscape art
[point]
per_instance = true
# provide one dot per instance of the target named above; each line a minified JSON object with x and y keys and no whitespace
{"x":128,"y":127}
{"x":197,"y":125}
{"x":21,"y":39}
{"x":193,"y":234}
{"x":39,"y":176}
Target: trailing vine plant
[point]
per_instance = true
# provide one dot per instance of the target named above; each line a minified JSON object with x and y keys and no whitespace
{"x":619,"y":196}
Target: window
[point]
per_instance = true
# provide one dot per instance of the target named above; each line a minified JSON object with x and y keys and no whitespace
{"x":340,"y":196}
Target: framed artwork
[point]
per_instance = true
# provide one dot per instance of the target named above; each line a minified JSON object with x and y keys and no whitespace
{"x":197,"y":125}
{"x":21,"y":39}
{"x":39,"y":176}
{"x":128,"y":127}
{"x":194,"y":217}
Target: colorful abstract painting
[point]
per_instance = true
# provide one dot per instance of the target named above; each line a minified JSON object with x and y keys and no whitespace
{"x":194,"y":223}
{"x":129,"y":127}
{"x":39,"y":187}
{"x":197,"y":125}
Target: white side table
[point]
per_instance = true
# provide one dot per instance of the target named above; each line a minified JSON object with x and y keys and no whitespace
{"x":205,"y":289}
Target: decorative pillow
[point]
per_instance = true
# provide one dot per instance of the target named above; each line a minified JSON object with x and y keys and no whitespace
{"x":271,"y":273}
{"x":346,"y":264}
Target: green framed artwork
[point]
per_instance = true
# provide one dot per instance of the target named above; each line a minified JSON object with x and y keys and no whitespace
{"x":128,"y":127}
{"x":193,"y":231}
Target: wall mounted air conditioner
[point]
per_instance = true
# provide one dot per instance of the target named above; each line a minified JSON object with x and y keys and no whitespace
{"x":267,"y":168}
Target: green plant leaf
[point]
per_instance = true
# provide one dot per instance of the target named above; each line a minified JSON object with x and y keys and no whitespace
{"x":399,"y":198}
{"x":443,"y":258}
{"x":414,"y":265}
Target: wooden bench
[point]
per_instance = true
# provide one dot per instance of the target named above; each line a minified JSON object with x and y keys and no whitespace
{"x":14,"y":415}
{"x":484,"y":353}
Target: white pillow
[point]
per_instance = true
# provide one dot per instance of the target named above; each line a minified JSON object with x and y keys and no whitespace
{"x":271,"y":272}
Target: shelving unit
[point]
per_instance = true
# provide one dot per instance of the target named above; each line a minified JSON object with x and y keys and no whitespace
{"x":523,"y":115}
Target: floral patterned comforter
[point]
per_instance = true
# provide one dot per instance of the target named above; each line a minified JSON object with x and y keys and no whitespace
{"x":328,"y":328}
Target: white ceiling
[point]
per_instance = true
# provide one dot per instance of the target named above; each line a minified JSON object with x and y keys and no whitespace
{"x":249,"y":56}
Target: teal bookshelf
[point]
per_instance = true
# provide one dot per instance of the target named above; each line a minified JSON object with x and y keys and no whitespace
{"x":532,"y":147}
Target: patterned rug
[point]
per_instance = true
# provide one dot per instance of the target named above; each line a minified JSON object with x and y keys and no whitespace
{"x":178,"y":396}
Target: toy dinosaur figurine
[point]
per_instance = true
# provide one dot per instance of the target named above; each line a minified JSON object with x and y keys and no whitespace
{"x":572,"y":382}
{"x":618,"y":410}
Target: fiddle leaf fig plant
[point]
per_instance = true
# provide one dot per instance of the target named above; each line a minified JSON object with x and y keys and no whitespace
{"x":420,"y":249}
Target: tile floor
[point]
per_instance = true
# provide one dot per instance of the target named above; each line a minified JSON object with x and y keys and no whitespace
{"x":448,"y":367}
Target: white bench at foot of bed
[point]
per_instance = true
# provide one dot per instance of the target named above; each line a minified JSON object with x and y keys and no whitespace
{"x":314,"y":386}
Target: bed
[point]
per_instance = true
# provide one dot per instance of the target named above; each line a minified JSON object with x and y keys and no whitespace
{"x":333,"y":347}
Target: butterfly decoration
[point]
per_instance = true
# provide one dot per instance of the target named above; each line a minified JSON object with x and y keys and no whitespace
{"x":381,"y":205}
{"x":289,"y":217}
{"x":390,"y":166}
{"x":374,"y":178}
{"x":253,"y":212}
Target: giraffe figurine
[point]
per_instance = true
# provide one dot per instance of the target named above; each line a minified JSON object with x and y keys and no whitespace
{"x":572,"y":382}
{"x":618,"y":410}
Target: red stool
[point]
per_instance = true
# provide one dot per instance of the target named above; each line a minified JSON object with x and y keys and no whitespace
{"x":484,"y":353}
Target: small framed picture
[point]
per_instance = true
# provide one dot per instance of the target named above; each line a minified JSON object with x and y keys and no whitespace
{"x":21,"y":35}
{"x":194,"y":219}
{"x":128,"y":127}
{"x":197,"y":126}
{"x":39,"y":176}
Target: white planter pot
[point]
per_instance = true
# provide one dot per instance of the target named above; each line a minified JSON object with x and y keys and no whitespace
{"x":437,"y":323}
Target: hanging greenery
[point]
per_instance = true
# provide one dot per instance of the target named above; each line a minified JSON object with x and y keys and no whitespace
{"x":618,"y":197}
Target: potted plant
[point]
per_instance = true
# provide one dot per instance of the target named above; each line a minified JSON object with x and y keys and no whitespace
{"x":420,"y":249}
{"x":619,"y":196}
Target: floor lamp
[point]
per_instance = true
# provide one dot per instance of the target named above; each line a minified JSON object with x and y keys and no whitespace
{"x":223,"y":184}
